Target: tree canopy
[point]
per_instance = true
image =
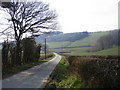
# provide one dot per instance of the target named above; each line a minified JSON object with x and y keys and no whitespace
{"x":28,"y":17}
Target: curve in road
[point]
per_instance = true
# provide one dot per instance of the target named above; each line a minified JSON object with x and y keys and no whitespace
{"x":35,"y":77}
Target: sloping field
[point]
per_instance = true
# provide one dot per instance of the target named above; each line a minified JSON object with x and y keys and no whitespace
{"x":72,"y":50}
{"x":111,"y":51}
{"x":90,"y":40}
{"x":84,"y":51}
{"x":78,"y":47}
{"x":58,"y":44}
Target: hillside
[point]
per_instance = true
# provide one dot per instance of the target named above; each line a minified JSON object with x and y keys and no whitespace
{"x":59,"y":44}
{"x":84,"y":51}
{"x":41,"y":38}
{"x":61,"y":37}
{"x":82,"y":46}
{"x":110,"y":51}
{"x":90,"y":40}
{"x":87,"y":41}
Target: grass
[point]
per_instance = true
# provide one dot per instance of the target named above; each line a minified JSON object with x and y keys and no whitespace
{"x":58,"y":44}
{"x":84,"y":51}
{"x":62,"y":78}
{"x":18,"y":69}
{"x":90,"y":40}
{"x":110,"y":51}
{"x":79,"y":50}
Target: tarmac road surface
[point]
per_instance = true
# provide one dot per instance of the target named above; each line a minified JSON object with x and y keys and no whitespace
{"x":35,"y":77}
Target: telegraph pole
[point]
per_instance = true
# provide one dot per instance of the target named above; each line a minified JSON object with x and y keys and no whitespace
{"x":45,"y":48}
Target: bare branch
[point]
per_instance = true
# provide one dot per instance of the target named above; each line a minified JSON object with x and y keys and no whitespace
{"x":29,"y":16}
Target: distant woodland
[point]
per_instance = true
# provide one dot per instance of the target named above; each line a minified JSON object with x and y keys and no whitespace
{"x":60,"y":37}
{"x":108,"y":41}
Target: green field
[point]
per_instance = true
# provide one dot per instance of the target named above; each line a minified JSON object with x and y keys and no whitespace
{"x":73,"y":50}
{"x":58,"y":44}
{"x":90,"y":40}
{"x":111,"y":51}
{"x":77,"y":50}
{"x":84,"y":51}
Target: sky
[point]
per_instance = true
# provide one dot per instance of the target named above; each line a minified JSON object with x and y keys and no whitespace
{"x":86,"y":15}
{"x":82,"y":15}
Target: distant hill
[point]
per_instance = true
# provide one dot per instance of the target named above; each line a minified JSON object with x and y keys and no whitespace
{"x":80,"y":43}
{"x":41,"y":38}
{"x":71,"y":40}
{"x":90,"y":40}
{"x":60,"y":37}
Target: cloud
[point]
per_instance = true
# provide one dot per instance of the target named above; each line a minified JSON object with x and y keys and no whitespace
{"x":86,"y":15}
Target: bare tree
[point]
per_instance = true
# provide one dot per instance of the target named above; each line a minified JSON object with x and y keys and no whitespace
{"x":28,"y":17}
{"x":109,"y":40}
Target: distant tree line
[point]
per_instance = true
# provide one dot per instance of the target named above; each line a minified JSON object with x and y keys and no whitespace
{"x":68,"y":37}
{"x":108,"y":41}
{"x":41,"y":38}
{"x":30,"y":52}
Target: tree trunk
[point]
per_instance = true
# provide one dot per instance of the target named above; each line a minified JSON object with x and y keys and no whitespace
{"x":18,"y":53}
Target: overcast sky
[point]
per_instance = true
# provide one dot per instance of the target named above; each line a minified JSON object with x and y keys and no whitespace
{"x":83,"y":15}
{"x":86,"y":15}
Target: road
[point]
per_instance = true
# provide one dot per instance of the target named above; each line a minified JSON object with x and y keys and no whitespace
{"x":35,"y":77}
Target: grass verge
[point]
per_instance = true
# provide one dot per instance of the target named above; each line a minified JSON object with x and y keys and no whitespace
{"x":62,"y":78}
{"x":17,"y":69}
